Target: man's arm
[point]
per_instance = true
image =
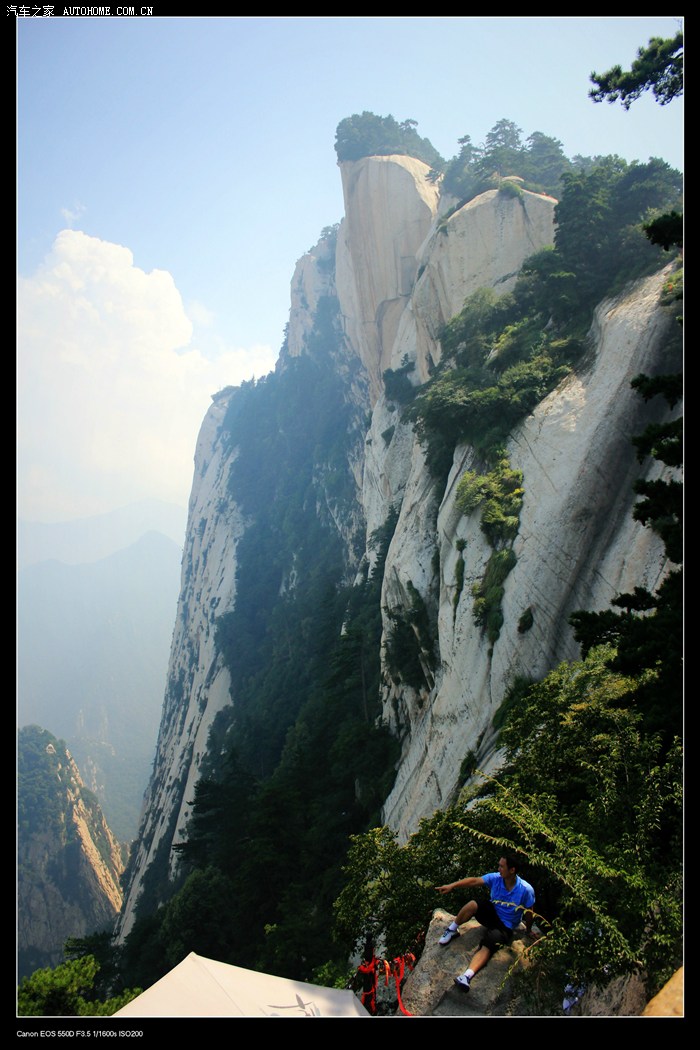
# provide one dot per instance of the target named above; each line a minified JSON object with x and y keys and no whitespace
{"x":475,"y":880}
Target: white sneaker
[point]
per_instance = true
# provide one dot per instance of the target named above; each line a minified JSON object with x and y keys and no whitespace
{"x":463,"y":982}
{"x":448,"y":935}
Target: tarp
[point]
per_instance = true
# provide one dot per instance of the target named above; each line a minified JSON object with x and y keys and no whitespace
{"x":199,"y":987}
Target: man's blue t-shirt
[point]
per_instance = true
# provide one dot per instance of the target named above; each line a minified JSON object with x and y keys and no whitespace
{"x":510,"y":905}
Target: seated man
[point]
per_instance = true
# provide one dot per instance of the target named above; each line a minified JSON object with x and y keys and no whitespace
{"x":511,"y":901}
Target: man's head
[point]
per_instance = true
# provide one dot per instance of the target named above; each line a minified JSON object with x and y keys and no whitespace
{"x":507,"y":865}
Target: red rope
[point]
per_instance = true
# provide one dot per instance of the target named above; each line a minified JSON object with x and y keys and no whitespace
{"x":369,"y":972}
{"x":369,"y":969}
{"x":399,"y":966}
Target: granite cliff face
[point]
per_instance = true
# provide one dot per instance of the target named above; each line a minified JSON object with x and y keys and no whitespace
{"x":577,"y":547}
{"x":69,"y":863}
{"x":399,"y":266}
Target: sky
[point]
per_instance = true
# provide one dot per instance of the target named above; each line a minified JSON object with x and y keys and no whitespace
{"x":171,"y":171}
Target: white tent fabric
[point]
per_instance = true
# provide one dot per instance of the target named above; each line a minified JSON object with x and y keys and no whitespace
{"x":199,"y":987}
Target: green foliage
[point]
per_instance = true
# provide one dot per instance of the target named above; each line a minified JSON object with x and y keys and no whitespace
{"x":468,"y":766}
{"x":367,"y":135}
{"x":410,"y":646}
{"x":599,"y":223}
{"x":658,"y":67}
{"x":467,"y":338}
{"x":616,"y":794}
{"x":666,"y":230}
{"x":526,"y":621}
{"x":41,"y":770}
{"x":61,"y":992}
{"x":662,"y":506}
{"x":472,"y":490}
{"x":514,"y":695}
{"x":101,"y":947}
{"x":544,"y":164}
{"x":479,"y":407}
{"x":510,"y":188}
{"x":587,"y":797}
{"x":459,"y":582}
{"x":649,"y":631}
{"x":540,"y":163}
{"x":271,"y":844}
{"x":331,"y":975}
{"x":397,"y":386}
{"x":293,"y":432}
{"x":500,"y":494}
{"x":384,"y":898}
{"x":502,"y":355}
{"x":195,"y":921}
{"x":488,"y":593}
{"x":328,"y":241}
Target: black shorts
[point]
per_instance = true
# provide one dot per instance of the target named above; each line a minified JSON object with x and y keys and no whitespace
{"x":496,"y":935}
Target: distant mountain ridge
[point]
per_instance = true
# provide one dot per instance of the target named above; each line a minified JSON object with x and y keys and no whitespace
{"x":92,"y":538}
{"x":93,"y":643}
{"x":68,"y":861}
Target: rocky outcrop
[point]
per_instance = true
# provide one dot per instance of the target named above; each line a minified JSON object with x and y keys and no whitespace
{"x":669,"y":1001}
{"x":577,"y":547}
{"x":69,"y":863}
{"x":482,"y":244}
{"x":389,"y":209}
{"x":430,"y":991}
{"x":405,"y":260}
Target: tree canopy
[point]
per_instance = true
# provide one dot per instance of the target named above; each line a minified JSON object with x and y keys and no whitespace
{"x":540,"y":162}
{"x":368,"y":135}
{"x":63,"y":992}
{"x":658,"y":66}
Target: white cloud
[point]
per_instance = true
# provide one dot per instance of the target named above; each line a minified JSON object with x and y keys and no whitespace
{"x":111,"y":393}
{"x":200,"y":313}
{"x":71,"y":215}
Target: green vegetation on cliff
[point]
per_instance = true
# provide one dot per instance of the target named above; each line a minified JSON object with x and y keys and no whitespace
{"x":591,"y":791}
{"x":68,"y":990}
{"x":299,"y":762}
{"x":299,"y":765}
{"x":502,"y":354}
{"x":367,"y":135}
{"x":281,"y":835}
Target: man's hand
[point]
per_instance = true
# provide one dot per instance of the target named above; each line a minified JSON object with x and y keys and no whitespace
{"x":445,"y":889}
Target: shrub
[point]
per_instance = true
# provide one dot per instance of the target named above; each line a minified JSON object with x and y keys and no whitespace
{"x":508,"y":188}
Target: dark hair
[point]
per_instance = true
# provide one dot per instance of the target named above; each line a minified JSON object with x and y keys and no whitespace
{"x":511,"y":860}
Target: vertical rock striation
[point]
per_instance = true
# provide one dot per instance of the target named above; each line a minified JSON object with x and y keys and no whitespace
{"x":404,"y":264}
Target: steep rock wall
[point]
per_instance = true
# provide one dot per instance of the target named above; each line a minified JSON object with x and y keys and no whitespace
{"x":68,"y":862}
{"x":485,"y":242}
{"x":198,"y":682}
{"x":577,"y":547}
{"x":402,"y":268}
{"x":389,"y":208}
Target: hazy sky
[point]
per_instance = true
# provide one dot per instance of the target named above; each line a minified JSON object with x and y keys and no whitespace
{"x":171,"y":171}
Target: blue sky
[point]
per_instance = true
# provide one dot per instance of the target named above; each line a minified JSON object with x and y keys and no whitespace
{"x":171,"y":171}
